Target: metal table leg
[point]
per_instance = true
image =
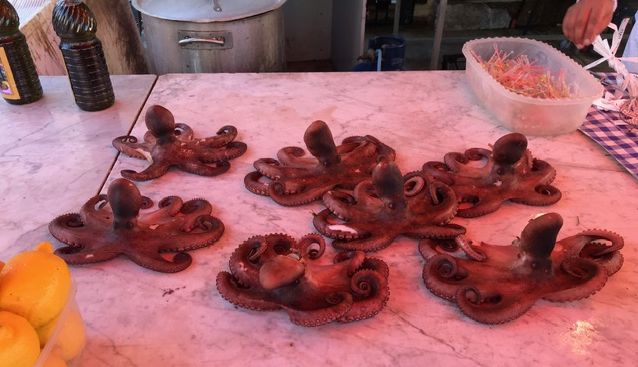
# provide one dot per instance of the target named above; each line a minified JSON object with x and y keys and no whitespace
{"x":438,"y":34}
{"x":397,"y":18}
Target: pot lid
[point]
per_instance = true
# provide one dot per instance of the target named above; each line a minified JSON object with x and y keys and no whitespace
{"x":205,"y":11}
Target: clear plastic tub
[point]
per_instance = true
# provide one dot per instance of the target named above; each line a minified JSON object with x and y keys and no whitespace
{"x":68,"y":337}
{"x":529,"y":115}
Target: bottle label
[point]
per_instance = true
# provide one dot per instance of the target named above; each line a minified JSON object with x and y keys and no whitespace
{"x":7,"y":82}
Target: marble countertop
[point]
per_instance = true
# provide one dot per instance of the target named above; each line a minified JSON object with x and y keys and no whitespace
{"x":136,"y":317}
{"x":54,"y":155}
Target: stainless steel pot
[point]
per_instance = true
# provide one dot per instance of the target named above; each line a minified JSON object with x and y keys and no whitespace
{"x":204,"y":36}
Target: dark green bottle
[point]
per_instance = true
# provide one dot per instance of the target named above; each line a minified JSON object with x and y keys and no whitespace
{"x":19,"y":83}
{"x":86,"y":66}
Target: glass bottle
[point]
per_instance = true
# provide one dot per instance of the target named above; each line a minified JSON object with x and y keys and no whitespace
{"x":19,"y":82}
{"x":83,"y":56}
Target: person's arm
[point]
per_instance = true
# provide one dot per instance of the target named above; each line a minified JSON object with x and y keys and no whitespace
{"x":587,"y":19}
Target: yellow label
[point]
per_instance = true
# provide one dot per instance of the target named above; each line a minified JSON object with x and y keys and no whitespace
{"x":7,"y":82}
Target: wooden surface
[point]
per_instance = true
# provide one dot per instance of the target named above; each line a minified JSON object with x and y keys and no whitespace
{"x":116,"y":29}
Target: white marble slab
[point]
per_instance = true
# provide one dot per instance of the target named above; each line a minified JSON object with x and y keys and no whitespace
{"x":136,"y":317}
{"x":53,"y":155}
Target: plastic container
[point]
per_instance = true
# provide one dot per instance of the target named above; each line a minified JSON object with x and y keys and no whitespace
{"x":70,"y":317}
{"x":529,"y":115}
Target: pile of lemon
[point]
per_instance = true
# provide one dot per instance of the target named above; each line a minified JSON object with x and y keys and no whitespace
{"x":34,"y":289}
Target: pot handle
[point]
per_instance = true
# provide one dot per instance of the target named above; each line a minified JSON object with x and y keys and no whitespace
{"x":216,"y":40}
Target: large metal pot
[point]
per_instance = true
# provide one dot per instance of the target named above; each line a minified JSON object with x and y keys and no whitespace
{"x":204,"y":36}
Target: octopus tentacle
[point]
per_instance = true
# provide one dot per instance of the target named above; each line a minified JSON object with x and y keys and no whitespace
{"x":365,"y":244}
{"x":298,"y":179}
{"x":192,"y":210}
{"x":96,"y":211}
{"x":542,"y":195}
{"x":471,"y":251}
{"x":180,"y":261}
{"x":585,"y":245}
{"x":277,"y":192}
{"x":168,"y":208}
{"x":339,"y":203}
{"x":235,"y":293}
{"x":342,"y":303}
{"x":479,"y":206}
{"x":271,"y":168}
{"x":155,"y":170}
{"x":328,"y":225}
{"x":205,"y":231}
{"x":372,"y":289}
{"x":442,"y":275}
{"x":380,"y":210}
{"x":491,"y":307}
{"x":232,"y":150}
{"x":244,"y":261}
{"x":128,"y":145}
{"x":505,"y":281}
{"x":296,"y":157}
{"x":590,"y":276}
{"x":70,"y":229}
{"x":205,"y":170}
{"x":510,"y":173}
{"x":183,"y":132}
{"x":168,"y":144}
{"x":439,"y":171}
{"x":253,"y":182}
{"x":306,"y":246}
{"x":377,"y":265}
{"x":76,"y":255}
{"x":225,"y":135}
{"x":173,"y":227}
{"x":437,"y":231}
{"x":272,"y":271}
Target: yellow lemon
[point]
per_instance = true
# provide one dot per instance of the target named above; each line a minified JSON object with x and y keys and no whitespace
{"x":19,"y":345}
{"x":35,"y":285}
{"x":71,"y":338}
{"x":54,"y":360}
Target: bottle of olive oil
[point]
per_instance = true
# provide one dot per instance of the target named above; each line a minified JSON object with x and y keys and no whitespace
{"x":83,"y":56}
{"x":19,"y":83}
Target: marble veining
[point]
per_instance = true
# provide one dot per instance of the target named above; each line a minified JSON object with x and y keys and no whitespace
{"x":53,"y":155}
{"x":139,"y":318}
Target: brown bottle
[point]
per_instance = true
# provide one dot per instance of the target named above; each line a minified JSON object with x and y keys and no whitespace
{"x":83,"y":56}
{"x":19,"y":83}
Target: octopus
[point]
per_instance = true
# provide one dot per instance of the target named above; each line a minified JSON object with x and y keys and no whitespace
{"x":167,"y":144}
{"x":386,"y":206}
{"x":272,"y":272}
{"x":509,"y":173}
{"x":111,"y":225}
{"x":295,"y":180}
{"x":506,"y":281}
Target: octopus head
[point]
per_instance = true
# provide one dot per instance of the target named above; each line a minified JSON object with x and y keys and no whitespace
{"x":388,"y":183}
{"x":125,"y":201}
{"x":509,"y":149}
{"x":321,"y":144}
{"x":537,"y":242}
{"x":280,"y":271}
{"x":160,"y":121}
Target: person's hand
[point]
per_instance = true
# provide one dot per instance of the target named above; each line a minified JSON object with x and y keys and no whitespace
{"x":587,"y":19}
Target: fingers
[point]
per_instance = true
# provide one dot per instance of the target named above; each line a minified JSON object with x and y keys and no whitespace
{"x":569,"y":21}
{"x":597,"y":23}
{"x":586,"y":20}
{"x":582,"y":21}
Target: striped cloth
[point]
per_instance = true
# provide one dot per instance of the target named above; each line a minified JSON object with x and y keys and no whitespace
{"x":611,"y":131}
